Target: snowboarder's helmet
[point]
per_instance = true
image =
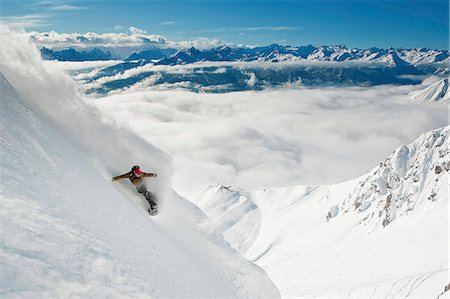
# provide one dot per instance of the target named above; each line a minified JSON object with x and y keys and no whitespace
{"x":136,"y":170}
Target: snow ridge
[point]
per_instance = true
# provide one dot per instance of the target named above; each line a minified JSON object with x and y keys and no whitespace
{"x":233,"y":212}
{"x":411,"y":177}
{"x":437,"y":92}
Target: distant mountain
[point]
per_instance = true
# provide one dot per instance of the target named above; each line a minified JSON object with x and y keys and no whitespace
{"x":425,"y":59}
{"x":184,"y":57}
{"x":241,"y":76}
{"x":225,"y":68}
{"x":277,"y":53}
{"x":74,"y":55}
{"x":149,"y":55}
{"x":437,"y":92}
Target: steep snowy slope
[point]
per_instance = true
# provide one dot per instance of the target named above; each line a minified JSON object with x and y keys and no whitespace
{"x":384,"y":234}
{"x":67,"y":231}
{"x":437,"y":92}
{"x":234,"y":214}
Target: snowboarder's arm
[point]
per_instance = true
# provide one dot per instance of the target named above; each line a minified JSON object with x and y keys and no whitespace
{"x":146,"y":174}
{"x":123,"y":176}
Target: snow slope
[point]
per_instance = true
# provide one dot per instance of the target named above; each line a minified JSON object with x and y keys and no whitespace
{"x":384,"y":234}
{"x":436,"y":92}
{"x":67,"y":231}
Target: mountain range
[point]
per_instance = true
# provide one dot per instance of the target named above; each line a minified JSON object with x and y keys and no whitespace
{"x":277,"y":53}
{"x":272,"y":53}
{"x":226,"y":68}
{"x":71,"y":54}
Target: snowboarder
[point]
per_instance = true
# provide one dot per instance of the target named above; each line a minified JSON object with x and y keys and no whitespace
{"x":136,"y":177}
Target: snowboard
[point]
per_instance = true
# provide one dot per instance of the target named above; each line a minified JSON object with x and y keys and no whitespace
{"x":153,"y":211}
{"x":150,"y":197}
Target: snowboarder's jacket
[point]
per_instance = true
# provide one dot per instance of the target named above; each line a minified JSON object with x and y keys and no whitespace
{"x":134,"y":178}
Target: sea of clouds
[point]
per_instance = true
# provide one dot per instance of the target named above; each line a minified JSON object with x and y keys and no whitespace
{"x":274,"y":137}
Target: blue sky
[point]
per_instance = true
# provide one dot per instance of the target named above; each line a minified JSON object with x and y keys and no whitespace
{"x":363,"y":23}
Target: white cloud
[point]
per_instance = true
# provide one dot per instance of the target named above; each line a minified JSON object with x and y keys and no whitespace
{"x":66,"y":7}
{"x":274,"y":137}
{"x":135,"y":30}
{"x":82,"y":65}
{"x":251,"y":81}
{"x":54,"y":39}
{"x":167,"y":23}
{"x":200,"y":43}
{"x":118,"y":27}
{"x":26,"y":21}
{"x":48,"y":9}
{"x":136,"y":39}
{"x":220,"y":70}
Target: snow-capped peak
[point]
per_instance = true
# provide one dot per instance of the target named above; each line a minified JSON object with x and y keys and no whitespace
{"x":437,"y":92}
{"x":408,"y":179}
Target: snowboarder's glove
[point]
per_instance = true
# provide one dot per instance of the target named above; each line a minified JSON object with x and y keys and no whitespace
{"x":148,"y":174}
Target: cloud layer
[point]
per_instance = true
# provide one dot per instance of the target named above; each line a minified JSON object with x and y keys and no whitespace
{"x":135,"y":38}
{"x":25,"y":21}
{"x":275,"y":137}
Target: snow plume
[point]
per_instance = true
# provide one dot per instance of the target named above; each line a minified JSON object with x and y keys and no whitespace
{"x":52,"y":93}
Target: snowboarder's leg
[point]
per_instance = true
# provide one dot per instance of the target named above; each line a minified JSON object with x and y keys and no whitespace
{"x":148,"y":196}
{"x":151,"y":200}
{"x":141,"y":188}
